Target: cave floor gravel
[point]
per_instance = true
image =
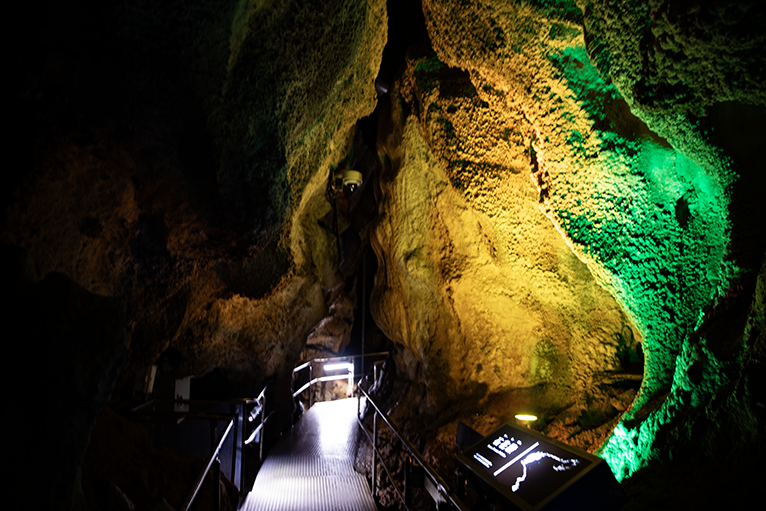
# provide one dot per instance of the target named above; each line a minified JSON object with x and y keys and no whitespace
{"x":312,"y":467}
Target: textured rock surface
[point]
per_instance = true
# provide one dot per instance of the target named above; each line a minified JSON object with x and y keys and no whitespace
{"x":332,"y":334}
{"x":175,"y":156}
{"x":180,"y":163}
{"x":643,"y":186}
{"x":504,"y":308}
{"x":561,"y":181}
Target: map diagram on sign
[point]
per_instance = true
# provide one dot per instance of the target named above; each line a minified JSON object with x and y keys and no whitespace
{"x":525,"y":465}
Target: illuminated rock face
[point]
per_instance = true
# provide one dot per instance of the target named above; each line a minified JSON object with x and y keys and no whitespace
{"x":652,"y":217}
{"x":474,"y":279}
{"x":561,"y":181}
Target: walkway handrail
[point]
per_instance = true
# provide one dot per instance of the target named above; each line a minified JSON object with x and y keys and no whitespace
{"x":313,"y":380}
{"x":441,"y":485}
{"x":327,"y":359}
{"x":237,"y":421}
{"x":213,"y":457}
{"x":261,"y":400}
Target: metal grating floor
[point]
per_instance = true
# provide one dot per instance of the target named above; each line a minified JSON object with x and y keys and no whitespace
{"x":312,"y":468}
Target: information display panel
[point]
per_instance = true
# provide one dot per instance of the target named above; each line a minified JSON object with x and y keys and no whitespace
{"x":525,"y":466}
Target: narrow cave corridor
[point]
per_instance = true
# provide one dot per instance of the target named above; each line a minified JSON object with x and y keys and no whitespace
{"x":558,"y":211}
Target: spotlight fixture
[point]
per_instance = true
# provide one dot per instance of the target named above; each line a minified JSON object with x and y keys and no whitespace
{"x":524,"y":418}
{"x":348,"y":366}
{"x":352,"y":179}
{"x":342,"y":365}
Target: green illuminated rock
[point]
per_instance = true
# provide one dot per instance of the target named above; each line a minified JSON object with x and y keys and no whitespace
{"x":629,"y":169}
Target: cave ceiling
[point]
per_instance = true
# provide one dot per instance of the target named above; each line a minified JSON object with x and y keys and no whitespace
{"x":567,"y":199}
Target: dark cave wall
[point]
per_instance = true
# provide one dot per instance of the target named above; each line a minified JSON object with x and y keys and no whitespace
{"x":166,"y":152}
{"x":173,"y":159}
{"x":64,"y":348}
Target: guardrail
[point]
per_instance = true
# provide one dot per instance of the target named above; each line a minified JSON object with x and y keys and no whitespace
{"x":444,"y":495}
{"x":211,"y":460}
{"x":180,"y":410}
{"x":437,"y":481}
{"x":350,"y":364}
{"x":259,"y":431}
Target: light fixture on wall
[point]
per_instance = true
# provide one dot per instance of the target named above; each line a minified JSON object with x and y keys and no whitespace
{"x":352,"y":179}
{"x":348,"y":366}
{"x":343,"y":365}
{"x":525,"y":419}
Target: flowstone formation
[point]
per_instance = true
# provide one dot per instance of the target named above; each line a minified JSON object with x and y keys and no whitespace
{"x":475,"y":281}
{"x":631,"y":174}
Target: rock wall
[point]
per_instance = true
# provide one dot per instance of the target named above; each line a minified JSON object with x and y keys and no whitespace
{"x":475,"y":281}
{"x":176,"y":156}
{"x":631,"y":169}
{"x":569,"y":204}
{"x":173,"y":157}
{"x":55,"y":393}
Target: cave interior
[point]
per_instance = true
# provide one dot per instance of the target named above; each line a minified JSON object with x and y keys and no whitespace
{"x":559,"y":211}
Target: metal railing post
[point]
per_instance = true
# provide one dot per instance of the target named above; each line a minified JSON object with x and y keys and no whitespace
{"x":364,"y":298}
{"x":374,"y":447}
{"x":217,"y":484}
{"x":263,"y":429}
{"x":350,"y":379}
{"x":311,"y":377}
{"x":234,"y":441}
{"x":241,"y":446}
{"x":407,"y":481}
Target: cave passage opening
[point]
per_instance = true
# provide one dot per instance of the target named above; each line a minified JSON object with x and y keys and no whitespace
{"x":406,"y":25}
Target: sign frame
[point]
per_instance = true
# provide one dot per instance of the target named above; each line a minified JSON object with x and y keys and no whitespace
{"x":481,"y":471}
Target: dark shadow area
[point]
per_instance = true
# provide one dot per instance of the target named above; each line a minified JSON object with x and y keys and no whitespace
{"x":405,"y":25}
{"x":69,"y":345}
{"x":739,"y":131}
{"x":374,"y":339}
{"x":256,"y":276}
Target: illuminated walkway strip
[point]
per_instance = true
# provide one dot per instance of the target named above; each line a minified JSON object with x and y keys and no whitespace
{"x":514,"y":460}
{"x":311,"y":468}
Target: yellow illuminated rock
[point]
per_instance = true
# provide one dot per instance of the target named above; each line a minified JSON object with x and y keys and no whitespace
{"x":476,"y":281}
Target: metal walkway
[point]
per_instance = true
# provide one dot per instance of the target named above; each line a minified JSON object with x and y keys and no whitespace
{"x":312,"y":468}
